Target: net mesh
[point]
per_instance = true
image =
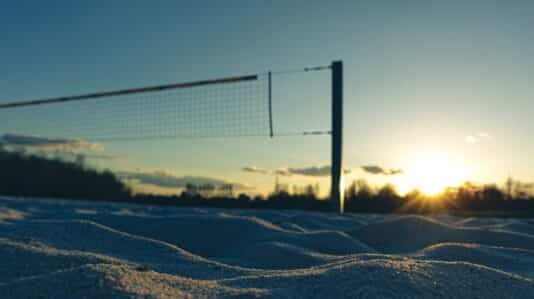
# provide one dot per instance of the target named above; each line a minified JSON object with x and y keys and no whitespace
{"x":217,"y":110}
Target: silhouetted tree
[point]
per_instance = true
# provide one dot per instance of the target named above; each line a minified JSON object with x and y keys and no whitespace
{"x":415,"y":194}
{"x":22,"y":174}
{"x":387,"y":191}
{"x":509,"y":187}
{"x":491,"y":192}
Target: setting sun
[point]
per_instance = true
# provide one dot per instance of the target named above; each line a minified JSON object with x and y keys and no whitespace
{"x":431,"y":174}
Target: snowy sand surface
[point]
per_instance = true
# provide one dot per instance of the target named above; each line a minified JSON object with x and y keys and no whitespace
{"x":73,"y":249}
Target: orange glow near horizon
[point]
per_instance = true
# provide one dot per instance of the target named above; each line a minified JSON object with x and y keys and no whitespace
{"x":431,"y":174}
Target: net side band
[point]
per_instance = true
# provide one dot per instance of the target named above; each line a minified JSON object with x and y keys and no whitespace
{"x":128,"y":92}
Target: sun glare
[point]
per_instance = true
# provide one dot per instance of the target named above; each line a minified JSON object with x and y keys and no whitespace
{"x":431,"y":174}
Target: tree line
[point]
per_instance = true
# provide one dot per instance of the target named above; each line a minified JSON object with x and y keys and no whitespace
{"x":513,"y":198}
{"x":27,"y":175}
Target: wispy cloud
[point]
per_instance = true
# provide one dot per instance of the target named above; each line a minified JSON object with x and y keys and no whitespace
{"x":396,"y":171}
{"x":166,"y":179}
{"x":50,"y":144}
{"x":378,"y":170}
{"x":254,"y":169}
{"x":282,"y":172}
{"x":313,"y":171}
{"x":105,"y":157}
{"x":477,"y":138}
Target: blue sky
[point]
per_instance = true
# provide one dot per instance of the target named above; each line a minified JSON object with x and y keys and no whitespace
{"x":422,"y":78}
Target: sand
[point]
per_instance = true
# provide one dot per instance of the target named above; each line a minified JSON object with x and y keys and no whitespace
{"x":76,"y":249}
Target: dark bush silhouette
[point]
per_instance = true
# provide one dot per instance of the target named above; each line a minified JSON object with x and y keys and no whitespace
{"x":29,"y":175}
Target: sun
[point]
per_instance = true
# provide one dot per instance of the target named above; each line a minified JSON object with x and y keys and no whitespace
{"x":431,"y":174}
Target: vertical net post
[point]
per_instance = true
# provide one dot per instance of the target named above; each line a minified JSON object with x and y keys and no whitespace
{"x":270,"y":77}
{"x":337,"y":136}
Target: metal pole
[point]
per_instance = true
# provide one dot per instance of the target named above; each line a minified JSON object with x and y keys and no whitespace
{"x":337,"y":135}
{"x":271,"y":104}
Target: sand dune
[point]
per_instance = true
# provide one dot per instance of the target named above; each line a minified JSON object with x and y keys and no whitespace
{"x":412,"y":233}
{"x":74,"y":249}
{"x":514,"y":260}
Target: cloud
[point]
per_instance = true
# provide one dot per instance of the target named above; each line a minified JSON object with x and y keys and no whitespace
{"x":165,"y":179}
{"x":264,"y":171}
{"x":282,"y":172}
{"x":105,"y":157}
{"x":254,"y":169}
{"x":50,"y":144}
{"x":377,"y":170}
{"x":396,"y":171}
{"x":313,"y":171}
{"x":476,"y":138}
{"x":373,"y":169}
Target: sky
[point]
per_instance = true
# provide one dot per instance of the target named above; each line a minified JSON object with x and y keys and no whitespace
{"x":439,"y":89}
